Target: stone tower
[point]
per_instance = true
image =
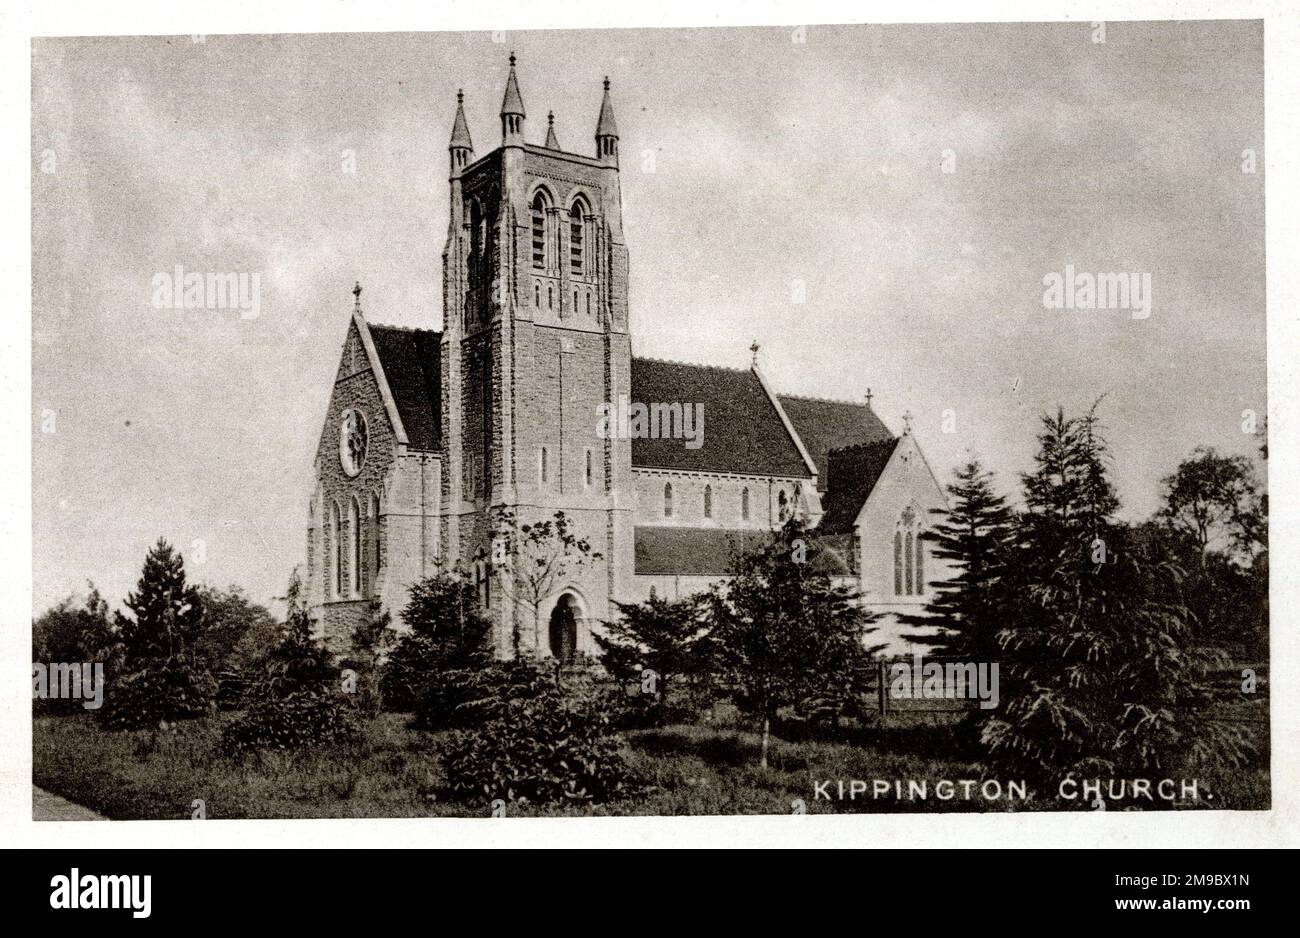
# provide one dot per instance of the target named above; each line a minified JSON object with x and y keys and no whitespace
{"x":534,"y":342}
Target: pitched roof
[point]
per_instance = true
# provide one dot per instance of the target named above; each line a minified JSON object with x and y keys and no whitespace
{"x":851,"y":475}
{"x":460,"y":129}
{"x":825,"y":425}
{"x":677,"y":551}
{"x":412,"y":363}
{"x":742,"y":430}
{"x":605,"y":125}
{"x":512,"y":103}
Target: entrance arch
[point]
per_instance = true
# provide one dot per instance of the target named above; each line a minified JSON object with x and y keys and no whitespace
{"x":563,"y":631}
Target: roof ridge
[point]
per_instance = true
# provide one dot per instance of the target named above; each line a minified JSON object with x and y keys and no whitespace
{"x":673,"y":361}
{"x":391,"y":328}
{"x":824,"y":400}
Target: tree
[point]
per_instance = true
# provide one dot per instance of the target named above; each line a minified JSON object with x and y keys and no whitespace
{"x":75,"y":631}
{"x":164,"y":677}
{"x":541,"y":557}
{"x":447,"y":637}
{"x":168,"y":613}
{"x":1214,"y":499}
{"x":786,"y":635}
{"x":299,"y":660}
{"x":1099,"y":667}
{"x":659,"y":641}
{"x":973,"y":535}
{"x":239,"y":631}
{"x":298,"y":698}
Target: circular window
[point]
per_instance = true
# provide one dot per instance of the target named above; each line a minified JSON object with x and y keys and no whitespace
{"x":353,"y":438}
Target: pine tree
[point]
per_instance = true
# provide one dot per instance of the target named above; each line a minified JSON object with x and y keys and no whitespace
{"x":168,"y":613}
{"x":785,"y":634}
{"x":164,"y":676}
{"x":973,"y":535}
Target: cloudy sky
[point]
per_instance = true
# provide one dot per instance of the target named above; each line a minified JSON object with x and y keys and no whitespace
{"x":756,"y":168}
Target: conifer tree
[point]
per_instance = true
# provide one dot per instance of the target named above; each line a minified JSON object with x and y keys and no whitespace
{"x":1099,"y":669}
{"x":973,"y":536}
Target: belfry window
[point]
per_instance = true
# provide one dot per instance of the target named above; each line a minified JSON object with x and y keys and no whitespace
{"x":576,"y":258}
{"x":539,"y":231}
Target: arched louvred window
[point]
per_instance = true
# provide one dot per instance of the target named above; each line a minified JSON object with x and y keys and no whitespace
{"x":708,"y":501}
{"x":577,"y":257}
{"x":475,"y":229}
{"x":744,"y":504}
{"x":920,"y":562}
{"x":539,"y":230}
{"x":354,"y":541}
{"x":376,"y":557}
{"x":336,"y":549}
{"x":898,"y":563}
{"x":668,"y":499}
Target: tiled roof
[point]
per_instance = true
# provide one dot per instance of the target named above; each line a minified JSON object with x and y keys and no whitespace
{"x":743,"y":432}
{"x":852,"y":474}
{"x":826,"y":425}
{"x":677,"y":551}
{"x":412,"y":363}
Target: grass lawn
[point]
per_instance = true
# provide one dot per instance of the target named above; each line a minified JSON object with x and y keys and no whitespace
{"x":395,"y":772}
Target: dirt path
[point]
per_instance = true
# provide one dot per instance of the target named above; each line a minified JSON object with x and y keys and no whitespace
{"x":50,"y":807}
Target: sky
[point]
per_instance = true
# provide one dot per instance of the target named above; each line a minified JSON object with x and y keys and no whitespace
{"x":876,"y":206}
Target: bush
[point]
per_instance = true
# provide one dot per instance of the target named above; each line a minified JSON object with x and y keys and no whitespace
{"x":537,"y":745}
{"x":303,"y":718}
{"x":446,"y":642}
{"x":170,"y":690}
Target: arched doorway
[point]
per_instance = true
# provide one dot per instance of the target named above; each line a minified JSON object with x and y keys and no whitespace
{"x":564,"y":629}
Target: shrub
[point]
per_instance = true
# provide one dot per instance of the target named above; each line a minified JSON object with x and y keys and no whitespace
{"x":303,"y":718}
{"x":169,"y":690}
{"x":297,"y":699}
{"x":446,"y":643}
{"x":537,"y":744}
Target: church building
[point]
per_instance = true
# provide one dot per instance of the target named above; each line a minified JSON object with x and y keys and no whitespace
{"x":530,"y":400}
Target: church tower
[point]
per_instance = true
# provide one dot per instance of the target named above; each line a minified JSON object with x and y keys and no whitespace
{"x":534,"y":347}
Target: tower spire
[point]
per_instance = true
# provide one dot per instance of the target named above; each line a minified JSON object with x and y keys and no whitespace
{"x":461,"y":146}
{"x":512,"y":110}
{"x":607,"y":130}
{"x":552,"y":142}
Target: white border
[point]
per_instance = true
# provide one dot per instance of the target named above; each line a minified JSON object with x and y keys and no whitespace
{"x":1278,"y":827}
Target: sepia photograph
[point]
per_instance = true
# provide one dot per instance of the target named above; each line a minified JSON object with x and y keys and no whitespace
{"x":687,"y":421}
